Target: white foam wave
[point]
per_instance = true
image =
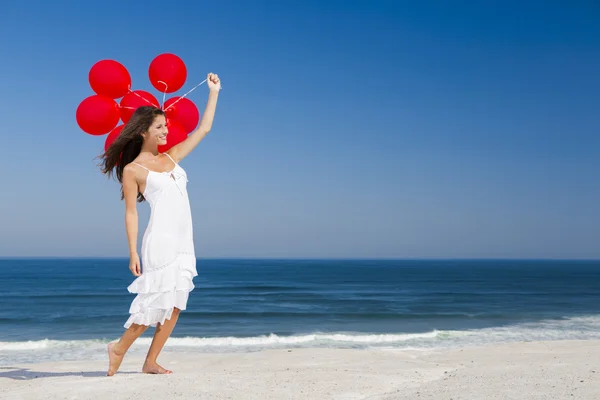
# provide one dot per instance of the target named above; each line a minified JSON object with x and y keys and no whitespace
{"x":49,"y":344}
{"x":572,"y":328}
{"x":273,"y":339}
{"x":264,"y":340}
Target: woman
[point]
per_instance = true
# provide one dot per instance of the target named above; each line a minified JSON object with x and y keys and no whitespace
{"x":169,"y":262}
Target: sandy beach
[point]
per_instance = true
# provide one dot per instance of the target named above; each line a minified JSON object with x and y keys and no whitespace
{"x":535,"y":370}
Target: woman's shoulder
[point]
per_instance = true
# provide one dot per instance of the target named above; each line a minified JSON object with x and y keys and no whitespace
{"x":131,"y":169}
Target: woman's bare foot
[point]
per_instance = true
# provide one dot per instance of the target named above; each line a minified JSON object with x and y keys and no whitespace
{"x":154,"y":368}
{"x":114,"y":359}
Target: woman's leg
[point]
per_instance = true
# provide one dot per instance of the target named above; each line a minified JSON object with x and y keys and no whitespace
{"x":161,"y":335}
{"x":116,"y":351}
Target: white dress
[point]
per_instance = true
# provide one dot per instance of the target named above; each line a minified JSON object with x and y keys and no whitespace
{"x":167,"y":255}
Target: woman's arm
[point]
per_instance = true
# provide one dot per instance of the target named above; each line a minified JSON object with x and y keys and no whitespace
{"x":130,"y":191}
{"x":181,"y":150}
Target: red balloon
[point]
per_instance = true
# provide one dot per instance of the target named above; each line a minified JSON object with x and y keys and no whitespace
{"x":97,"y":114}
{"x":112,"y":136}
{"x":167,"y":73}
{"x":175,"y":136}
{"x":109,"y":78}
{"x":131,"y":101}
{"x":185,"y":112}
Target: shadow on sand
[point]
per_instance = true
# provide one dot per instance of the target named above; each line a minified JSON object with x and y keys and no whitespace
{"x":25,"y":374}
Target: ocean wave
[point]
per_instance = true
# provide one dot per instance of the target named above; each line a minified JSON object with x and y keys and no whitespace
{"x":547,"y":329}
{"x":578,"y":328}
{"x":274,"y":339}
{"x":263,"y":340}
{"x":50,"y":344}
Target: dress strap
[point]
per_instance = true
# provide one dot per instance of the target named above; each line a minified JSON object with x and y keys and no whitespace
{"x":140,"y":165}
{"x":167,"y":154}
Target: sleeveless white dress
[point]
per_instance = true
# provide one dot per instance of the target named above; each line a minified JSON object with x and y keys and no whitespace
{"x":167,"y":254}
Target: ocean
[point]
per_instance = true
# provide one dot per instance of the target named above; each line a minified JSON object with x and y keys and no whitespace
{"x":68,"y":309}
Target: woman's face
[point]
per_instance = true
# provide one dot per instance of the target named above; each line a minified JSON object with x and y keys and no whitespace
{"x":157,"y":133}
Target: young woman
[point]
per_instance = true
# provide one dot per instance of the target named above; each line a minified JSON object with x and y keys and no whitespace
{"x":169,"y":261}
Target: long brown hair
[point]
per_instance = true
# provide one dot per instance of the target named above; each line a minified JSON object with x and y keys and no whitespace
{"x":128,"y":144}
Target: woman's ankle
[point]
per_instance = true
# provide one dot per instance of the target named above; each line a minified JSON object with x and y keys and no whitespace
{"x":117,"y":348}
{"x":150,"y":361}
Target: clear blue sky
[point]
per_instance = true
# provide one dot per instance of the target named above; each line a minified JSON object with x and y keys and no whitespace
{"x":344,"y":129}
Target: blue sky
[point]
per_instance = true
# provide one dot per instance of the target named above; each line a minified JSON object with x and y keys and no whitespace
{"x":344,"y":129}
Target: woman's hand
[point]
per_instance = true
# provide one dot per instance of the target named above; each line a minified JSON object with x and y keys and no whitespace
{"x":181,"y":150}
{"x":134,"y":265}
{"x":214,"y":84}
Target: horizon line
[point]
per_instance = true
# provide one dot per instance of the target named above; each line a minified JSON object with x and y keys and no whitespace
{"x":321,"y":258}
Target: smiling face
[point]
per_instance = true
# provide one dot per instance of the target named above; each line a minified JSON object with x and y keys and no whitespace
{"x":157,"y":133}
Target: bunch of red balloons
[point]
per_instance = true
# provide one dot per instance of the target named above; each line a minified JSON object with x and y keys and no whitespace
{"x":100,"y":113}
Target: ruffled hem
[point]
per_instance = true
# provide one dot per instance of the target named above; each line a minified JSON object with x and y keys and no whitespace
{"x":177,"y":275}
{"x":154,"y":309}
{"x":160,"y":291}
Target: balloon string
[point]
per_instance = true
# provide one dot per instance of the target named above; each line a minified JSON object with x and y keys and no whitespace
{"x":194,"y":88}
{"x":143,"y":98}
{"x":164,"y":94}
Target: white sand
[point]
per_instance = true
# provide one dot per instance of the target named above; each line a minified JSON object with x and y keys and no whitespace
{"x":541,"y":370}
